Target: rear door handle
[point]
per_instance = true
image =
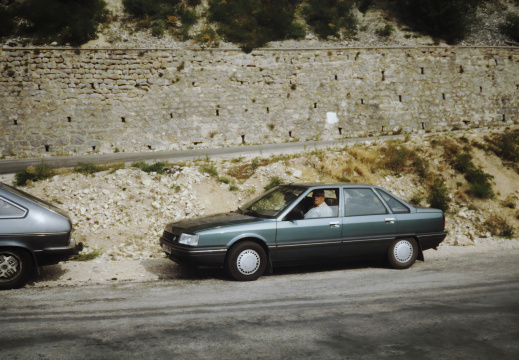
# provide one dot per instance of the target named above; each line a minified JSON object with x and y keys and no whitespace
{"x":335,"y":224}
{"x":390,"y":220}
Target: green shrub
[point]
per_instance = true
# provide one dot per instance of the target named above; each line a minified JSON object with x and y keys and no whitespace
{"x":330,"y":17}
{"x":274,"y":181}
{"x":253,"y":23}
{"x":439,"y":195}
{"x":499,"y":227}
{"x":463,"y":162}
{"x":157,"y":167}
{"x":421,"y":167}
{"x":40,"y":172}
{"x":89,"y":168}
{"x":510,"y":26}
{"x":45,"y":21}
{"x":480,"y":185}
{"x":397,"y":157}
{"x":506,"y":147}
{"x":449,"y":20}
{"x":385,"y":31}
{"x":209,"y":169}
{"x":207,"y":35}
{"x":478,"y":180}
{"x":7,"y":24}
{"x":87,"y":256}
{"x":158,"y":29}
{"x":416,"y":199}
{"x":159,"y":15}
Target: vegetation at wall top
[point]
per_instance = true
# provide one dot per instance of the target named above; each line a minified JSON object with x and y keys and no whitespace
{"x":161,"y":15}
{"x":253,"y":23}
{"x":250,"y":23}
{"x":46,"y":21}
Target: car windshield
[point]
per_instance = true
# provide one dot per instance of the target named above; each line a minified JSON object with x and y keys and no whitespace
{"x":273,"y":202}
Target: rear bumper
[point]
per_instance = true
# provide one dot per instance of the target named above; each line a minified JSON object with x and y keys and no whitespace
{"x":53,"y":255}
{"x":431,"y":241}
{"x":201,"y":257}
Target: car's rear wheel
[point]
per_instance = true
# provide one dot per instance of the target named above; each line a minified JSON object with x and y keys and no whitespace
{"x":246,"y":261}
{"x":15,"y":268}
{"x":402,"y":253}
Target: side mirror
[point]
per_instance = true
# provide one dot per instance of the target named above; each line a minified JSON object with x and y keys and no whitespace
{"x":295,"y":214}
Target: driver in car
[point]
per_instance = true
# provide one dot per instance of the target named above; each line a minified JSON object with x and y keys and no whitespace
{"x":320,"y":209}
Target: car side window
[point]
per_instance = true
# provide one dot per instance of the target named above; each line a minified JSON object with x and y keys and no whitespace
{"x":9,"y":210}
{"x":359,"y":202}
{"x":320,"y":203}
{"x":396,"y":206}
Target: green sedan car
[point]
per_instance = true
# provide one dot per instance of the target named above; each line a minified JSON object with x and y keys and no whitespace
{"x":307,"y":223}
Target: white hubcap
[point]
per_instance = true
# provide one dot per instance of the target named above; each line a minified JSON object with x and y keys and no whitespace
{"x":9,"y":266}
{"x":248,"y":262}
{"x":403,"y":251}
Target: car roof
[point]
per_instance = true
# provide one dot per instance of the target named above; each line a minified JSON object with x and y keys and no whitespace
{"x":319,"y":184}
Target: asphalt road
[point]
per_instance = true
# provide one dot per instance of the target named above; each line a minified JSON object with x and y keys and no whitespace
{"x":16,"y":165}
{"x":463,"y":307}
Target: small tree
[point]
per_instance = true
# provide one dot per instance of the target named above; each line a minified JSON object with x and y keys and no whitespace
{"x":443,"y":19}
{"x":330,"y":17}
{"x":253,"y":23}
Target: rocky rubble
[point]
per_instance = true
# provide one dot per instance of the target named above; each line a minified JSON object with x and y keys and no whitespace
{"x":121,"y":213}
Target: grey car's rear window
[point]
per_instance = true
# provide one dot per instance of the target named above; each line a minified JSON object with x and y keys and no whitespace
{"x":10,"y":210}
{"x":33,"y":199}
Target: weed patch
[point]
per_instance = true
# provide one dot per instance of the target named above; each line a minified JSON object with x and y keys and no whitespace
{"x":274,"y":181}
{"x":87,"y":256}
{"x":157,"y":167}
{"x":498,"y":226}
{"x":89,"y":169}
{"x":439,"y":195}
{"x":33,"y":174}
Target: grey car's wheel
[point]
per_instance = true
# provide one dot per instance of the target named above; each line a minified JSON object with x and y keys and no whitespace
{"x":246,"y":261}
{"x":15,"y":268}
{"x":402,"y":253}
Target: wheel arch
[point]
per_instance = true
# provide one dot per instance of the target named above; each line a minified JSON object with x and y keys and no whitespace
{"x":18,"y":246}
{"x":260,"y":241}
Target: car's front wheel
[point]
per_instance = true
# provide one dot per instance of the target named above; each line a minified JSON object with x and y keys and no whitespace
{"x":246,"y":261}
{"x":15,"y":268}
{"x":402,"y":253}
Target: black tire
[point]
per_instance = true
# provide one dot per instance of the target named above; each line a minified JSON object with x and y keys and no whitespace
{"x":402,"y":253}
{"x":246,"y":261}
{"x":16,"y":268}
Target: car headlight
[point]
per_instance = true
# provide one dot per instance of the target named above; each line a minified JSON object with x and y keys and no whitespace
{"x":188,"y":239}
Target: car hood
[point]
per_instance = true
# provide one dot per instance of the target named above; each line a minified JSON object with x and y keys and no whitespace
{"x":211,"y":222}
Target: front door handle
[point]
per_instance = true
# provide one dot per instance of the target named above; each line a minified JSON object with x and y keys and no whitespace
{"x":335,"y":224}
{"x":390,"y":220}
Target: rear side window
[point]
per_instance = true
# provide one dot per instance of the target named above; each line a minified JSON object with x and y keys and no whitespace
{"x":10,"y":210}
{"x":396,"y":206}
{"x":359,"y":202}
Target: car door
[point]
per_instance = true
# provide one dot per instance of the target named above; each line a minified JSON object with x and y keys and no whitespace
{"x":312,"y":239}
{"x":367,"y":225}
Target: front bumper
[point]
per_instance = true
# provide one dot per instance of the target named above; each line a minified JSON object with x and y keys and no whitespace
{"x":196,"y":256}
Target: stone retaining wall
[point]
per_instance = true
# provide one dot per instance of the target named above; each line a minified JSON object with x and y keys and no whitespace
{"x":73,"y":101}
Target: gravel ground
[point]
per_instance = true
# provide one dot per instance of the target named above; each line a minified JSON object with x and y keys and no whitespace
{"x":74,"y":273}
{"x":120,"y":214}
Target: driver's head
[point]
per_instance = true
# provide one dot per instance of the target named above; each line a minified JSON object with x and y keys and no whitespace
{"x":318,"y":196}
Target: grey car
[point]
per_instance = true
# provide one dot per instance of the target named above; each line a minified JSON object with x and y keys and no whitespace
{"x":305,"y":223}
{"x":32,"y":233}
